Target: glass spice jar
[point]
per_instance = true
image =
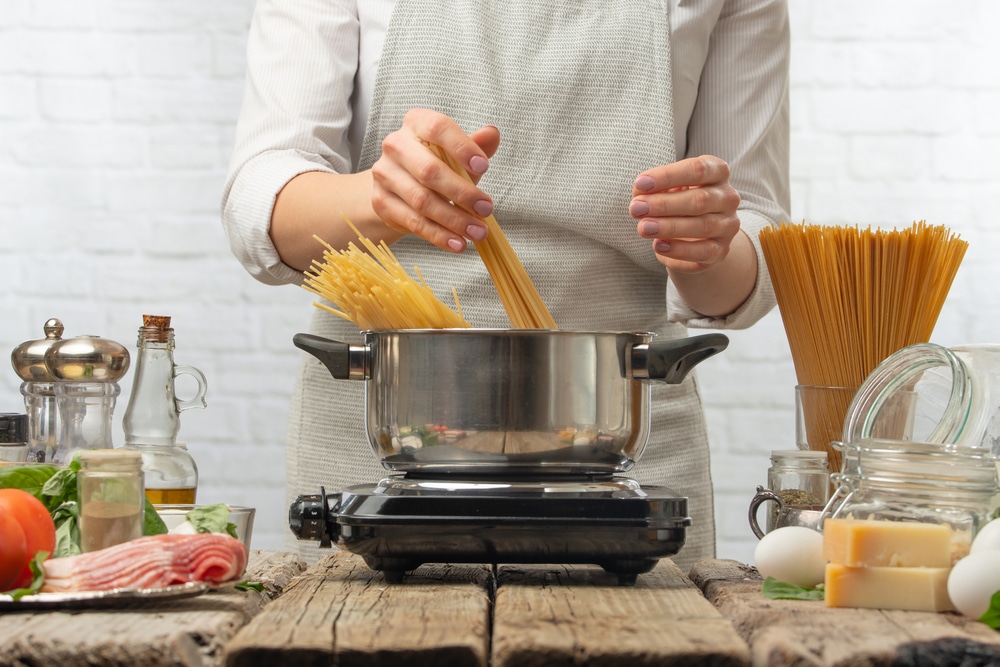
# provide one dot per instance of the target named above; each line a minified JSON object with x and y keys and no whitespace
{"x":895,"y":480}
{"x":111,"y":498}
{"x":800,"y":478}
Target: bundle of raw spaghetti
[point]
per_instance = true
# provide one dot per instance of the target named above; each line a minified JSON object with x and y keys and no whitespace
{"x":524,"y":306}
{"x":374,"y":291}
{"x":850,"y":297}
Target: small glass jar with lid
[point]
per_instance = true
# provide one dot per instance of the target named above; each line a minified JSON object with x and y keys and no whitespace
{"x":111,"y":497}
{"x":800,"y":478}
{"x":896,"y":480}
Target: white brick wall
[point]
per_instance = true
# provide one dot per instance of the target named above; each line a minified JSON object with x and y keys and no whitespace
{"x":116,"y":120}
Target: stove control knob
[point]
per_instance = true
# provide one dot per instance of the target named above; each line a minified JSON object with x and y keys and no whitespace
{"x":310,"y":518}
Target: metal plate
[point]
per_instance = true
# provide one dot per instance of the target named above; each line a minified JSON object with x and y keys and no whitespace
{"x":116,"y":597}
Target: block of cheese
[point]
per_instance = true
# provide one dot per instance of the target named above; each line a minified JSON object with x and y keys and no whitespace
{"x":906,"y":588}
{"x":879,"y":543}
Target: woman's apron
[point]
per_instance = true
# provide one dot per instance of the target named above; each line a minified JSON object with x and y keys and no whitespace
{"x":581,"y":93}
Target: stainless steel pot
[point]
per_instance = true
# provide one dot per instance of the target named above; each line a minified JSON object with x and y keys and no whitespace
{"x":509,"y":401}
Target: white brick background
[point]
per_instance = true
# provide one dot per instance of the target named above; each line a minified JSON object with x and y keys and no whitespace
{"x":116,"y":120}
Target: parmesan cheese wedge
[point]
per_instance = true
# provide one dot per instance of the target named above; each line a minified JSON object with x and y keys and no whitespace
{"x":878,"y":543}
{"x":905,"y":588}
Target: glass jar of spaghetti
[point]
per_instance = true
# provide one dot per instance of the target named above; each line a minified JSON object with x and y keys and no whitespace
{"x":111,"y":497}
{"x":896,"y":480}
{"x":932,"y":394}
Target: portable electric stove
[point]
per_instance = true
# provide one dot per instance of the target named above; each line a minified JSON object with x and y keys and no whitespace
{"x":505,"y":446}
{"x":405,"y":521}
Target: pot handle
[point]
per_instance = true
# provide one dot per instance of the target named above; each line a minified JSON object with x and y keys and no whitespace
{"x":670,"y":360}
{"x":344,"y":361}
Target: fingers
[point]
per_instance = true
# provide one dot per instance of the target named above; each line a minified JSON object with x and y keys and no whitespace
{"x":414,"y":190}
{"x":696,"y":171}
{"x":688,"y":209}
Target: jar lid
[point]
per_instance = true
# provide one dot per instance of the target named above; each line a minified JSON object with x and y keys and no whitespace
{"x":923,"y":392}
{"x":110,"y":459}
{"x":797,"y":454}
{"x":87,"y":359}
{"x":13,"y":428}
{"x":28,"y":358}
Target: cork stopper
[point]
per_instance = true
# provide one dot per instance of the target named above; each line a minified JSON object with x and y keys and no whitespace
{"x":158,"y":321}
{"x":155,"y":329}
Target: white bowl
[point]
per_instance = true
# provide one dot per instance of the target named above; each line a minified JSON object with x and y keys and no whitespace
{"x":174,"y":515}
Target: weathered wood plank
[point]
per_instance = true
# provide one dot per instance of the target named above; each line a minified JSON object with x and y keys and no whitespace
{"x":341,"y":612}
{"x":180,"y":633}
{"x":795,"y":632}
{"x":578,"y":615}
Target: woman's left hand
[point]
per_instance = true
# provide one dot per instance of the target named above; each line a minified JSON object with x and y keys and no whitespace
{"x":688,"y":208}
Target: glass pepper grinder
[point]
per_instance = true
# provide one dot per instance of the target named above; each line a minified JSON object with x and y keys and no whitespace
{"x":39,"y":391}
{"x":152,"y":418}
{"x":87,"y":370}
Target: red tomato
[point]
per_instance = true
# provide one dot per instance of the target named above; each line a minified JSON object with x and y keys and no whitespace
{"x":13,"y":551}
{"x":36,"y":524}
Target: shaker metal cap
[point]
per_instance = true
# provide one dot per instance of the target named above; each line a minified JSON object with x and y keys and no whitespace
{"x":87,"y":359}
{"x":13,"y":428}
{"x":28,"y":358}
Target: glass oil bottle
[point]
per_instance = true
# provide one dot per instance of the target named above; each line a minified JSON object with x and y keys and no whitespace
{"x":152,"y":418}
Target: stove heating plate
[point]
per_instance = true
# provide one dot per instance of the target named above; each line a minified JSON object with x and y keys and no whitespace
{"x":403,"y":522}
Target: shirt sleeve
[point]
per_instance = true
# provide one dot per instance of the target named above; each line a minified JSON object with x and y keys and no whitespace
{"x":301,"y":64}
{"x":741,"y":115}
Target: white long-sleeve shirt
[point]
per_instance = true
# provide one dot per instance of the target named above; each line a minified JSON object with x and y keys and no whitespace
{"x":312,"y":69}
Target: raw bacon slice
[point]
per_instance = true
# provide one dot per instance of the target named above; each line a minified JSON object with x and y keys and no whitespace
{"x":149,"y":562}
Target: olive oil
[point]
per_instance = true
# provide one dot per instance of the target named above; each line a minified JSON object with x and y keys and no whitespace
{"x":184,"y":496}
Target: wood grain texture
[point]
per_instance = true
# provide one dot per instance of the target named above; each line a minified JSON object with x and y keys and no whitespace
{"x":341,"y":612}
{"x":578,"y":615}
{"x":181,"y":633}
{"x":795,"y":632}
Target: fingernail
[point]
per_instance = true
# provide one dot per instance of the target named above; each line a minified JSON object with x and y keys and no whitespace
{"x":478,"y":164}
{"x":458,"y":245}
{"x":661,"y":247}
{"x":638,"y":208}
{"x":476,"y":232}
{"x":483,"y":208}
{"x":644,"y":183}
{"x":649,"y":228}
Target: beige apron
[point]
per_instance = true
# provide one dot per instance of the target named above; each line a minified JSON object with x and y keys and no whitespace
{"x":581,"y":93}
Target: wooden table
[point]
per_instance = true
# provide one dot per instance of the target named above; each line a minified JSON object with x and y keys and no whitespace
{"x":339,"y":612}
{"x":803,"y":633}
{"x":342,"y":613}
{"x":183,"y":633}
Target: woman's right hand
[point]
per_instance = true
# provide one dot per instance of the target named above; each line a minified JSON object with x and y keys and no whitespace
{"x":413,"y":190}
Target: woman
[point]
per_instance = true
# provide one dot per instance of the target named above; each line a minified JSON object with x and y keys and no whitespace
{"x":631,"y":152}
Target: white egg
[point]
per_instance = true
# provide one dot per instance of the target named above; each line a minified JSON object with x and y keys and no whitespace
{"x":973,"y":581}
{"x":988,"y":538}
{"x":792,"y":554}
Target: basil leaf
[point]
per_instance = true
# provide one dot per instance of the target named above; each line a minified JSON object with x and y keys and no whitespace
{"x":37,"y":580}
{"x":212,"y":519}
{"x":30,"y":478}
{"x":250,"y":585}
{"x":992,"y":615}
{"x":152,"y":523}
{"x":67,"y":520}
{"x":61,"y":487}
{"x":780,"y":590}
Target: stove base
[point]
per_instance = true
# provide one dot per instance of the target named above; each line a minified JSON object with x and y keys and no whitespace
{"x":402,"y":523}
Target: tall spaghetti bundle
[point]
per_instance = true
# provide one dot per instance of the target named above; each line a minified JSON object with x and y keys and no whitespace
{"x":850,"y":297}
{"x":524,"y":306}
{"x":374,"y":291}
